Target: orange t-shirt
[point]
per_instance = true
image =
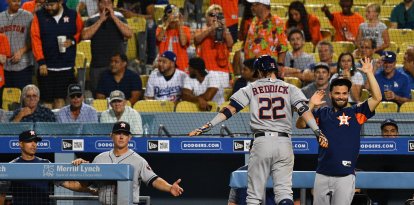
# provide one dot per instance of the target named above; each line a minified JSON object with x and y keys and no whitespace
{"x":230,"y":10}
{"x":180,"y":51}
{"x":350,"y":23}
{"x":4,"y":50}
{"x":208,"y":50}
{"x":29,"y":6}
{"x":314,"y":28}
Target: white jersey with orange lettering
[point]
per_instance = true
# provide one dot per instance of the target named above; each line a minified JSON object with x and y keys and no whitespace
{"x":271,"y":103}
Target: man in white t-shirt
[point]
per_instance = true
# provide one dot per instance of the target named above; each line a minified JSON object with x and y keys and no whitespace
{"x":202,"y":86}
{"x":166,"y":82}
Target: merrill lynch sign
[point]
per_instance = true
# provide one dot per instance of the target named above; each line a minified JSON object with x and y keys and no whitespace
{"x":72,"y":171}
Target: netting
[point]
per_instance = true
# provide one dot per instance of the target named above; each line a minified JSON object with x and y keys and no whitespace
{"x":105,"y":46}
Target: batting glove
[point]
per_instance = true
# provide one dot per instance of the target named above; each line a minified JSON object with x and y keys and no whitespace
{"x":205,"y":128}
{"x":322,"y":140}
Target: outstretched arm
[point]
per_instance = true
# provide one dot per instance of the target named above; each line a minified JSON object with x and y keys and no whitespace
{"x":376,"y":97}
{"x":223,"y":115}
{"x":164,"y":186}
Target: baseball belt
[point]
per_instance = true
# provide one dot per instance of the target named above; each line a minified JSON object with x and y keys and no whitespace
{"x":280,"y":134}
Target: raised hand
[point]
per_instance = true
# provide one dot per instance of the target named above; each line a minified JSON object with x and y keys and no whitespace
{"x":317,"y":97}
{"x":176,"y":190}
{"x":366,"y":65}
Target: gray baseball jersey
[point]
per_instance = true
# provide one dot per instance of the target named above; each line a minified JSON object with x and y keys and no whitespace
{"x":142,"y":172}
{"x":271,"y":103}
{"x":17,"y":29}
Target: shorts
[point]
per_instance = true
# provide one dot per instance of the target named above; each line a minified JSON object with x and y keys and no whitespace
{"x":55,"y":84}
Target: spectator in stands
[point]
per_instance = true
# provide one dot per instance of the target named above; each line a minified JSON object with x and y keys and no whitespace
{"x":346,"y":23}
{"x":326,"y":55}
{"x":121,"y":154}
{"x":374,"y":29}
{"x":173,"y":36}
{"x":119,"y":111}
{"x":308,"y":23}
{"x":213,"y":44}
{"x":107,"y":31}
{"x":15,"y":23}
{"x":77,"y":111}
{"x":33,"y":192}
{"x":166,"y":82}
{"x":248,"y":75}
{"x":266,"y":34}
{"x":146,"y":10}
{"x":91,"y":6}
{"x":389,"y":128}
{"x":31,"y":110}
{"x":231,"y":15}
{"x":4,"y":54}
{"x":408,"y":66}
{"x":33,"y":5}
{"x":395,"y":86}
{"x":297,"y":61}
{"x":201,"y":86}
{"x":321,"y":82}
{"x":347,"y":69}
{"x":119,"y":77}
{"x":402,"y":16}
{"x":56,"y":60}
{"x":246,"y":20}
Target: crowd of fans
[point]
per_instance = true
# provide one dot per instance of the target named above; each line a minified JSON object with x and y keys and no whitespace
{"x":39,"y":41}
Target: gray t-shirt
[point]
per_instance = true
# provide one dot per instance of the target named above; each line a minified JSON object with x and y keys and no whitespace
{"x":142,"y":172}
{"x":302,"y":62}
{"x":310,"y":89}
{"x":373,"y":32}
{"x":271,"y":102}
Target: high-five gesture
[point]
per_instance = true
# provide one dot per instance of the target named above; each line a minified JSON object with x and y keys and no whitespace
{"x":317,"y":97}
{"x":366,"y":65}
{"x":176,"y":190}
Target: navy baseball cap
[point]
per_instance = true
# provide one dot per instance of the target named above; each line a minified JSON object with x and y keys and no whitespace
{"x":121,"y":126}
{"x":389,"y":57}
{"x":389,"y":122}
{"x":321,"y":65}
{"x":168,"y":9}
{"x":170,"y":56}
{"x":340,"y":81}
{"x":74,"y":89}
{"x":28,"y":136}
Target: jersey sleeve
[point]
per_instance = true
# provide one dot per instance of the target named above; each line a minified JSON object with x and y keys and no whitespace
{"x":146,"y":173}
{"x":296,"y":95}
{"x":362,"y":112}
{"x":241,"y":97}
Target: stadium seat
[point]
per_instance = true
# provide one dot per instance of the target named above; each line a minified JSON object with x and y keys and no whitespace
{"x":400,"y":58}
{"x":393,"y":47}
{"x":178,"y":3}
{"x":342,"y":47}
{"x":137,"y":24}
{"x":225,"y":103}
{"x":400,"y":36}
{"x":407,"y":107}
{"x":282,"y":2}
{"x":237,"y":46}
{"x":278,"y":10}
{"x":325,"y":24}
{"x":11,"y":98}
{"x":387,"y":107}
{"x":144,"y":80}
{"x":85,"y":48}
{"x":308,"y":47}
{"x":294,"y":81}
{"x":392,"y":2}
{"x":100,"y":104}
{"x":386,"y":11}
{"x":365,"y":2}
{"x":159,"y":11}
{"x":315,"y":9}
{"x":364,"y":95}
{"x":186,"y":106}
{"x":412,"y":94}
{"x":154,"y":106}
{"x":227,"y":93}
{"x":316,"y":56}
{"x":404,"y":46}
{"x":317,"y":2}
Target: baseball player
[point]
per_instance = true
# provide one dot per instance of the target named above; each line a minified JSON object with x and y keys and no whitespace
{"x":121,"y":154}
{"x":271,"y":102}
{"x":335,"y":174}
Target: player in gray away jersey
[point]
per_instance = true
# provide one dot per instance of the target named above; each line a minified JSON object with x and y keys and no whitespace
{"x":271,"y":102}
{"x":121,"y":154}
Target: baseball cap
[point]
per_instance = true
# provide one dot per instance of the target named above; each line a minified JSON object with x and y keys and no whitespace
{"x":321,"y":65}
{"x":340,"y":81}
{"x":170,"y":56}
{"x":265,"y":2}
{"x":116,"y":95}
{"x":121,"y":126}
{"x":168,"y":9}
{"x":389,"y":57}
{"x":74,"y":89}
{"x":28,"y":136}
{"x":389,"y":122}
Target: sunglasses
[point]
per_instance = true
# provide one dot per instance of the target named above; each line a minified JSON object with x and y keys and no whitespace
{"x":212,"y":14}
{"x":77,"y":95}
{"x":116,"y":101}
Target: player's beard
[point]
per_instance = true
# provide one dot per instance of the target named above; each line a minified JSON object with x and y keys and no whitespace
{"x":337,"y":106}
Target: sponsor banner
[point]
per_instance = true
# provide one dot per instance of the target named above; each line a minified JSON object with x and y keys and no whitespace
{"x":73,"y":145}
{"x":373,"y":146}
{"x":201,"y":145}
{"x":108,"y":145}
{"x":241,"y":145}
{"x":44,"y":144}
{"x":158,"y":146}
{"x":410,"y":146}
{"x":300,"y":146}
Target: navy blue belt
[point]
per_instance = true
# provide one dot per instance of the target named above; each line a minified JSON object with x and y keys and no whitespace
{"x":280,"y":134}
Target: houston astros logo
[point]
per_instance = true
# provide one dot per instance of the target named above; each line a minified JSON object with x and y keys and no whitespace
{"x":343,"y":120}
{"x":123,"y":125}
{"x":32,"y":132}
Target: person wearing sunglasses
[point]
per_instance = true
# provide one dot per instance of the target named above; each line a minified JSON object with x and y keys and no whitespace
{"x":76,"y":111}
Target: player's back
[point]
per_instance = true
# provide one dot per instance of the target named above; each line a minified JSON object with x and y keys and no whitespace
{"x":271,"y":104}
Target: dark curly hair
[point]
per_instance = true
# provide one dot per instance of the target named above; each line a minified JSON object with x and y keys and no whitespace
{"x":298,"y":6}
